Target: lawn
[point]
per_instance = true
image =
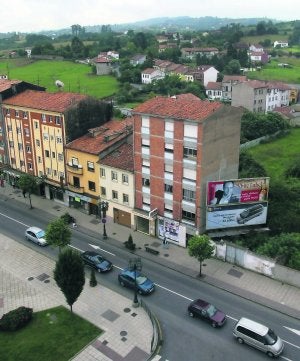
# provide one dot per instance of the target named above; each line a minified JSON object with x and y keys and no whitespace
{"x":277,"y":155}
{"x":76,"y":77}
{"x":53,"y":334}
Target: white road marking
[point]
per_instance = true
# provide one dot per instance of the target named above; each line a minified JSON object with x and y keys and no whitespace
{"x":78,"y":249}
{"x":285,"y":358}
{"x":291,"y":344}
{"x":297,"y":332}
{"x":101,"y":249}
{"x":13,"y":219}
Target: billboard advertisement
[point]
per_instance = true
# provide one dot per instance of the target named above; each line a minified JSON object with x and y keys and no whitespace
{"x":237,"y":202}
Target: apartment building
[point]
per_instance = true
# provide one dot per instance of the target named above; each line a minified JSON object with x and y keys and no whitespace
{"x":84,"y":158}
{"x":180,"y":143}
{"x":36,"y":136}
{"x":278,"y":95}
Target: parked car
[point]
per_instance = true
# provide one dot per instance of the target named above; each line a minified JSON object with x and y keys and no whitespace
{"x":96,"y":261}
{"x":207,"y":311}
{"x":36,"y":235}
{"x":143,"y":284}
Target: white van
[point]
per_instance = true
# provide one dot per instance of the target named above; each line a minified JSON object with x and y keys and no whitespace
{"x":258,"y":336}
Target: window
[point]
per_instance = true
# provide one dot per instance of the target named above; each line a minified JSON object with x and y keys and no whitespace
{"x":25,"y":115}
{"x":60,"y":157}
{"x":28,"y":148}
{"x":8,"y":112}
{"x":9,"y":128}
{"x":39,"y":159}
{"x":48,"y":171}
{"x":168,"y":188}
{"x":61,"y":175}
{"x":189,"y":174}
{"x":103,"y":191}
{"x":189,"y":153}
{"x":115,"y":195}
{"x":189,"y":216}
{"x":46,"y":136}
{"x":20,"y":146}
{"x":145,"y":142}
{"x":92,"y":186}
{"x":26,"y":131}
{"x":125,"y":178}
{"x":125,"y":198}
{"x":30,"y":166}
{"x":145,"y":122}
{"x":17,"y":113}
{"x":44,"y":118}
{"x":50,"y":119}
{"x":146,"y":163}
{"x":53,"y":154}
{"x":90,"y":166}
{"x":146,"y":182}
{"x":47,"y":153}
{"x":114,"y":176}
{"x":58,"y":139}
{"x":169,"y":148}
{"x":18,"y":130}
{"x":74,"y":162}
{"x":169,"y":168}
{"x":102,"y":172}
{"x":22,"y":163}
{"x":11,"y":144}
{"x":168,"y":208}
{"x":188,"y":195}
{"x":190,"y":131}
{"x":57,"y":120}
{"x":55,"y":173}
{"x":38,"y":143}
{"x":36,"y":125}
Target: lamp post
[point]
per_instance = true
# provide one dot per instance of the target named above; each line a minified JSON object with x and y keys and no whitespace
{"x":104,"y":208}
{"x":135,"y":264}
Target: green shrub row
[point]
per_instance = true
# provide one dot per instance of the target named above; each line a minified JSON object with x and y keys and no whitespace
{"x":16,"y":319}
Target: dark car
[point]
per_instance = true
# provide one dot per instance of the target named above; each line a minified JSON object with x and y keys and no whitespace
{"x":207,"y":312}
{"x":97,"y":261}
{"x":143,"y":284}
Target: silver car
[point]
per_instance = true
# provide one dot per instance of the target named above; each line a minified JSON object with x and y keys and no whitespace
{"x":36,"y":235}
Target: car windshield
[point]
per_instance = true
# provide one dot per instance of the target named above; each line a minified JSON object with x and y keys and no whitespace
{"x":141,"y":279}
{"x":271,"y":338}
{"x":98,"y":259}
{"x":40,"y":234}
{"x":211,"y":310}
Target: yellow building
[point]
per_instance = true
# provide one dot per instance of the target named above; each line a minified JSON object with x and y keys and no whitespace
{"x":294,"y":92}
{"x":83,"y":156}
{"x":35,"y":131}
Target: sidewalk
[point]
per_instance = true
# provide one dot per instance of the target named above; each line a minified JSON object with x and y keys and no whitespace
{"x":256,"y":287}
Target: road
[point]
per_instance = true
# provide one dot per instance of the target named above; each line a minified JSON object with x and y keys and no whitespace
{"x":185,"y":338}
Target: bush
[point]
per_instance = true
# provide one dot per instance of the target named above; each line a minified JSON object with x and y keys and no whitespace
{"x":67,"y":218}
{"x":129,"y":244}
{"x":16,"y":319}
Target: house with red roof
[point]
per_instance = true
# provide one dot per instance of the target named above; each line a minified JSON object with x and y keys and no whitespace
{"x":181,"y":143}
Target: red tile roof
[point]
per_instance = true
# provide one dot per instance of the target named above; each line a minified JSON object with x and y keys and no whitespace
{"x":121,"y":158}
{"x":6,"y":84}
{"x":179,"y":107}
{"x":108,"y":134}
{"x":57,"y":102}
{"x":213,"y":85}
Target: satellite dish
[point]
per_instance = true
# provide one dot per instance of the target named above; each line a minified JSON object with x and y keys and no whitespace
{"x":59,"y":83}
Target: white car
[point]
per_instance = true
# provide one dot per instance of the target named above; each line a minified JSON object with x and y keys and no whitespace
{"x":36,"y":235}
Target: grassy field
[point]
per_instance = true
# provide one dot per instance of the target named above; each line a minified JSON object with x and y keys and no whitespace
{"x":76,"y":77}
{"x":277,"y":155}
{"x":272,"y":71}
{"x":260,"y":38}
{"x":53,"y":334}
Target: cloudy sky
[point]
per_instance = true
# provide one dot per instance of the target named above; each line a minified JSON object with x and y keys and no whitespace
{"x":37,"y":15}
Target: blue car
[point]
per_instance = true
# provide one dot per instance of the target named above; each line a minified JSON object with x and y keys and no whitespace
{"x":96,"y":261}
{"x":143,"y":284}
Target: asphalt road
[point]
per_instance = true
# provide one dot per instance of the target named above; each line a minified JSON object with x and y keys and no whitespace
{"x":185,"y":338}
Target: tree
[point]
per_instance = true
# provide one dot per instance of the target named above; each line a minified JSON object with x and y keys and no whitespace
{"x":58,"y":234}
{"x":200,"y":248}
{"x":249,"y":167}
{"x":28,"y":185}
{"x":69,"y":275}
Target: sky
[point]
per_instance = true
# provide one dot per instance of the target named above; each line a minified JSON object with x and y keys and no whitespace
{"x":37,"y":15}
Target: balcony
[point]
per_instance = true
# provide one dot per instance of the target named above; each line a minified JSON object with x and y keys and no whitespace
{"x":75,"y":169}
{"x":75,"y":189}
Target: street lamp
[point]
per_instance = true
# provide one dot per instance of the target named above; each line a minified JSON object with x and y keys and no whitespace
{"x":104,"y":208}
{"x":135,"y":264}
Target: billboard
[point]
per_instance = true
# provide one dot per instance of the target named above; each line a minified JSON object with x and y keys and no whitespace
{"x":237,"y":202}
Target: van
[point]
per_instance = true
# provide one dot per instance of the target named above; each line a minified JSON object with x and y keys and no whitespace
{"x":258,"y":336}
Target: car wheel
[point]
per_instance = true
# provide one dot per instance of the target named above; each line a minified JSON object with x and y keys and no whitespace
{"x":214,"y":325}
{"x":191,"y":314}
{"x":269,"y":353}
{"x":122,"y":283}
{"x":240,"y":340}
{"x":40,"y":244}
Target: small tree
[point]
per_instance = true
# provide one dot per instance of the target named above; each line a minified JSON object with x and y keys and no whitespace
{"x":129,"y":244}
{"x":28,"y":185}
{"x":69,"y":275}
{"x":58,"y":234}
{"x":200,"y":248}
{"x":93,"y":281}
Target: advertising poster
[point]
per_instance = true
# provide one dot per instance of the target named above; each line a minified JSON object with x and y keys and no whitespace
{"x":235,"y":191}
{"x":236,"y":215}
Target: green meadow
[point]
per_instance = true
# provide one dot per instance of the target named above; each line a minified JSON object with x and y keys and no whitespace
{"x":77,"y":78}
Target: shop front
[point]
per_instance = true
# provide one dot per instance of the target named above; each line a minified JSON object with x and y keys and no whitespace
{"x":145,"y":222}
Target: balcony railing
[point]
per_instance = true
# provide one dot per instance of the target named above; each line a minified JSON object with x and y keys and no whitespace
{"x":75,"y":189}
{"x":76,"y":169}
